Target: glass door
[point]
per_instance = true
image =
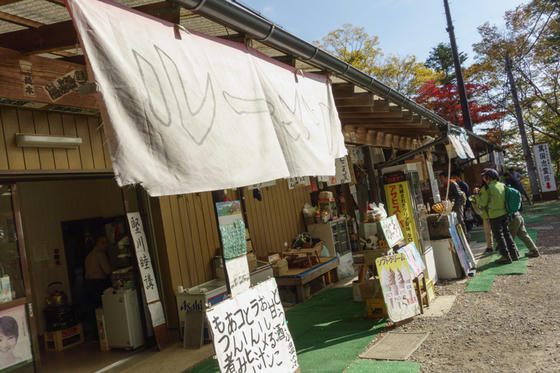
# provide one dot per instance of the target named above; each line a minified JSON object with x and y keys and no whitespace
{"x":16,"y":313}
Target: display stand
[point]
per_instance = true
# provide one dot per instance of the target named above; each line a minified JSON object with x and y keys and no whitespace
{"x":422,"y":295}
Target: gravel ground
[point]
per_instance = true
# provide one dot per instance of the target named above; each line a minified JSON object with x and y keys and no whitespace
{"x":513,"y":328}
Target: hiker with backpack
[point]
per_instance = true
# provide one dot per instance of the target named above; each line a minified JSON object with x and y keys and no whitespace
{"x":494,"y":199}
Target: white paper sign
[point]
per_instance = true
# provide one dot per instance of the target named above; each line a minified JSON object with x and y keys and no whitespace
{"x":239,"y":277}
{"x":392,"y":230}
{"x":294,"y":181}
{"x":143,"y":257}
{"x":156,"y":313}
{"x":544,"y":167}
{"x":250,"y":332}
{"x":186,"y":112}
{"x":342,"y":175}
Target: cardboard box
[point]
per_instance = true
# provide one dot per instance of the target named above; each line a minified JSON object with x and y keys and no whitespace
{"x":280,"y":267}
{"x":370,"y":289}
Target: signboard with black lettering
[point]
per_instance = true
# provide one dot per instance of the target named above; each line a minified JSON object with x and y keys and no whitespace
{"x":250,"y":332}
{"x":544,"y":167}
{"x":391,"y":230}
{"x":145,"y":265}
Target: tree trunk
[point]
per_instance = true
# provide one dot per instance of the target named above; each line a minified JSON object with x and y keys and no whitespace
{"x":522,"y":133}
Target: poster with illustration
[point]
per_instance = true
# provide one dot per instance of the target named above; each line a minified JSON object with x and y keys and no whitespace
{"x":15,"y":343}
{"x":396,"y":285}
{"x":415,"y":262}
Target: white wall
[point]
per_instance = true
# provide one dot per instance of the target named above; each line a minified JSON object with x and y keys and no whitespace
{"x":44,"y":206}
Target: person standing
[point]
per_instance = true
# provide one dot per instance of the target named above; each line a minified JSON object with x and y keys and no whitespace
{"x":483,"y":213}
{"x":458,"y":198}
{"x":513,"y":179}
{"x":495,"y":201}
{"x":98,"y":271}
{"x":456,"y":177}
{"x":517,"y":229}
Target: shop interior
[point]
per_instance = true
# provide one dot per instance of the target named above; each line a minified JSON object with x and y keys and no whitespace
{"x":62,"y":221}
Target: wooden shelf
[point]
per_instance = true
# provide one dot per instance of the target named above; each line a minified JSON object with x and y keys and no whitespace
{"x":13,"y":303}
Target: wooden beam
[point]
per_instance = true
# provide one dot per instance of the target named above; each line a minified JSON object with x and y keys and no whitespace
{"x":8,"y":2}
{"x":380,"y":120}
{"x":17,"y":20}
{"x":63,"y":54}
{"x":43,"y":72}
{"x":343,"y":90}
{"x":62,"y":35}
{"x":57,"y":2}
{"x":361,"y":99}
{"x":374,"y":126}
{"x":371,"y":115}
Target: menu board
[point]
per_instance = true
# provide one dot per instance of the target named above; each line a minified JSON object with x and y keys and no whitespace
{"x":250,"y":333}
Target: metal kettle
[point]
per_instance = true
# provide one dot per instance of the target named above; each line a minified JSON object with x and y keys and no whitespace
{"x":56,"y":297}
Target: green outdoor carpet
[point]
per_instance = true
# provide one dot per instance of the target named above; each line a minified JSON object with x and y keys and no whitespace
{"x":329,"y":331}
{"x":374,"y":366}
{"x":478,"y":236}
{"x":487,"y":268}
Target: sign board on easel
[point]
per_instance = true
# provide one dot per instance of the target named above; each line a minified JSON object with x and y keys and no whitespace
{"x":250,"y":333}
{"x":391,"y":230}
{"x":397,"y":287}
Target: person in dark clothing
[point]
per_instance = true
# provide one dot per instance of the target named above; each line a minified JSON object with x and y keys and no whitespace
{"x":513,"y":179}
{"x":455,"y":176}
{"x":458,"y":197}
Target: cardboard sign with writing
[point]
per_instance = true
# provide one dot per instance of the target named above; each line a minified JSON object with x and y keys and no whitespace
{"x":250,"y":332}
{"x":396,"y":285}
{"x":391,"y":230}
{"x":238,"y":273}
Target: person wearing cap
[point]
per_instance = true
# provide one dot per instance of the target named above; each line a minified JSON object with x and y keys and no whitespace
{"x":495,"y":201}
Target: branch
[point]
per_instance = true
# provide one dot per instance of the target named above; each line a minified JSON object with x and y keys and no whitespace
{"x":538,"y":92}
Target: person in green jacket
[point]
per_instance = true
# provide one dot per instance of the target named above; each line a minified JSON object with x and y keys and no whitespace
{"x":483,"y":213}
{"x":495,"y":201}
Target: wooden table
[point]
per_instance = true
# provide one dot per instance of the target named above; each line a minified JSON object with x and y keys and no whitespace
{"x":299,"y":278}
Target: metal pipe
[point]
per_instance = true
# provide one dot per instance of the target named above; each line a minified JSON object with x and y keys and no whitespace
{"x":259,"y":28}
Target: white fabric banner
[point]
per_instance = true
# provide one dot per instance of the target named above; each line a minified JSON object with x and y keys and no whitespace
{"x":189,"y":113}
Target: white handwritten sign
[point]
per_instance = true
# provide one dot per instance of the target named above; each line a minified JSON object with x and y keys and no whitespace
{"x":391,"y":230}
{"x":237,"y":270}
{"x":250,"y":332}
{"x":143,"y":257}
{"x":294,"y":181}
{"x":342,"y":175}
{"x":544,"y":167}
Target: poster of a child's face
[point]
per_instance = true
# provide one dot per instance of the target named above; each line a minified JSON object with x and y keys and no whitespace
{"x":15,"y":344}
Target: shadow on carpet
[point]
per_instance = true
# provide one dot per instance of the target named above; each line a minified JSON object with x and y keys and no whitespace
{"x":329,"y":331}
{"x":488,"y":269}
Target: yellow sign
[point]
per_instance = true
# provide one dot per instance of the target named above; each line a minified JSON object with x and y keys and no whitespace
{"x":399,"y":203}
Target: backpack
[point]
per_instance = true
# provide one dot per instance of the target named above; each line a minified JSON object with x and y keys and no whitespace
{"x":513,"y":200}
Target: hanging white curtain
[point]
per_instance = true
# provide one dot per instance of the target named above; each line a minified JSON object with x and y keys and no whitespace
{"x":188,"y":113}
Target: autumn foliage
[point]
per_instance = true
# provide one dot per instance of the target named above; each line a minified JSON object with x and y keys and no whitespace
{"x":444,"y":100}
